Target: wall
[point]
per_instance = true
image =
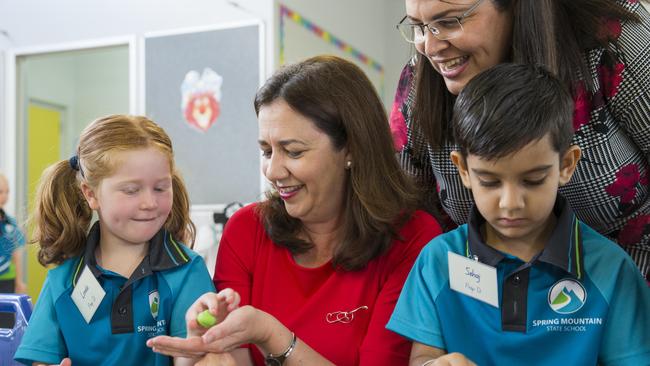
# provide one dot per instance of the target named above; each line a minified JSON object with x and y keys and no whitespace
{"x":101,"y":78}
{"x":49,"y":81}
{"x":88,"y":84}
{"x":33,"y":25}
{"x":398,"y":51}
{"x":37,"y":22}
{"x":367,"y":25}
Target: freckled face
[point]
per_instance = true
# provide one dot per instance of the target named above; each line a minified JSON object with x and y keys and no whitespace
{"x":134,"y":202}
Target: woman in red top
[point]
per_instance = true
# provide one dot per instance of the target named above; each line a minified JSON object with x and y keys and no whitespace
{"x":317,"y":267}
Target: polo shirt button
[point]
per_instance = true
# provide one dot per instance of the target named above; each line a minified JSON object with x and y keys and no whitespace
{"x":122,"y":310}
{"x":516,"y":280}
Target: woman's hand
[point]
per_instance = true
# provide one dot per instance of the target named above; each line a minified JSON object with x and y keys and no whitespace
{"x":241,"y":326}
{"x":219,"y":305}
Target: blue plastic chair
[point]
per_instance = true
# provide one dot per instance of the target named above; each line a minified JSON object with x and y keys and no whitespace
{"x":15,"y":311}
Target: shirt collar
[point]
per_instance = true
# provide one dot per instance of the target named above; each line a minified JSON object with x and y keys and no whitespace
{"x":563,"y":249}
{"x":164,"y":253}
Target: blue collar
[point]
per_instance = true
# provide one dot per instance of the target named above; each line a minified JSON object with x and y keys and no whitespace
{"x":563,"y":249}
{"x":164,"y":253}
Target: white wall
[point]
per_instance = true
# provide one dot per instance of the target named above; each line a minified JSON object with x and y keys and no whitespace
{"x":30,"y":23}
{"x":398,"y":51}
{"x":102,"y":80}
{"x":37,"y":22}
{"x":368,"y":25}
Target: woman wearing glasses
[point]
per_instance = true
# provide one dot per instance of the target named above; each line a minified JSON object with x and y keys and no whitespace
{"x":599,"y":48}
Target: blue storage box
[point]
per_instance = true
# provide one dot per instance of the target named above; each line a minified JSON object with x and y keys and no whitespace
{"x":15,"y":311}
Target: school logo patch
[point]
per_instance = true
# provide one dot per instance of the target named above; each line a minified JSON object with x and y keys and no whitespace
{"x":567,"y":296}
{"x":154,"y":303}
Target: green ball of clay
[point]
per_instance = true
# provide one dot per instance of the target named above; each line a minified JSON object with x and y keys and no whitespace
{"x":206,"y":319}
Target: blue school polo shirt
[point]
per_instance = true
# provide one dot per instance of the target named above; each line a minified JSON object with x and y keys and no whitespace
{"x":581,"y":301}
{"x":11,"y":238}
{"x":152,"y":302}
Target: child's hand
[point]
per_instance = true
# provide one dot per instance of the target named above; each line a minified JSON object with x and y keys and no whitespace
{"x":218,"y":305}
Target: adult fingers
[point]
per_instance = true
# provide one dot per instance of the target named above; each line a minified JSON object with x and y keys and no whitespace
{"x":237,"y":329}
{"x":175,"y":353}
{"x":208,"y":300}
{"x":174,"y":346}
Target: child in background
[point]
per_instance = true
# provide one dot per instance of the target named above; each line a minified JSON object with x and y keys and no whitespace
{"x":12,"y":241}
{"x":127,"y":278}
{"x":523,"y":281}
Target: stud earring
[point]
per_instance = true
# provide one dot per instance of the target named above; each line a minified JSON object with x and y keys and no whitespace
{"x":348,"y":164}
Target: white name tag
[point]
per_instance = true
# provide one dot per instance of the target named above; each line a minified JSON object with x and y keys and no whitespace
{"x":88,"y":294}
{"x":473,"y":278}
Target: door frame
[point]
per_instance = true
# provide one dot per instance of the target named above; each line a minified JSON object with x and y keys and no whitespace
{"x":10,"y":163}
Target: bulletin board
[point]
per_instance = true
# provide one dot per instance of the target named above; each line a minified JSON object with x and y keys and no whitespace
{"x":301,"y":38}
{"x":220,"y":160}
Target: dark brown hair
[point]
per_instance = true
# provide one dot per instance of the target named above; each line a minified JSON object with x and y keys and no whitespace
{"x":341,"y":102}
{"x":550,"y":33}
{"x":492,"y":108}
{"x":62,"y":215}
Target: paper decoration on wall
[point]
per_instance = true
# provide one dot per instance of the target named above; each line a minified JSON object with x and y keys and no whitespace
{"x":201,"y":96}
{"x":319,"y":32}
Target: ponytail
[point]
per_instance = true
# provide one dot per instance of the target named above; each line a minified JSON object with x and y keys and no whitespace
{"x":179,"y":223}
{"x":61,"y":215}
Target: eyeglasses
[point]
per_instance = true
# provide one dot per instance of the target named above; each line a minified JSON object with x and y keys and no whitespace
{"x":443,"y":28}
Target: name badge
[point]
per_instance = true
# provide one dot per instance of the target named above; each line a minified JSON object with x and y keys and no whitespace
{"x":473,"y":278}
{"x":88,"y":294}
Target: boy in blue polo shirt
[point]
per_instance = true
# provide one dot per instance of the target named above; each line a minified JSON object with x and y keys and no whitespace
{"x":523,"y":281}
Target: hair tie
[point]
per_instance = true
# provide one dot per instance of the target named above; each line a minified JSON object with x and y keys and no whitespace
{"x":74,"y":164}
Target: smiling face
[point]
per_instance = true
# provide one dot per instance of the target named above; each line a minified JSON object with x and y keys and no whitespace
{"x":134,"y":202}
{"x":301,"y":163}
{"x":485,"y":41}
{"x":516,"y":194}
